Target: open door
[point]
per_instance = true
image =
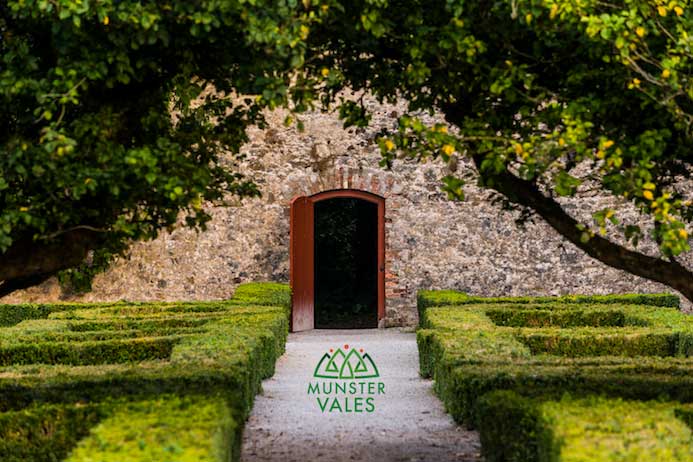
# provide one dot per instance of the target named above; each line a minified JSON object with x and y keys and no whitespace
{"x":303,"y":258}
{"x":302,"y":264}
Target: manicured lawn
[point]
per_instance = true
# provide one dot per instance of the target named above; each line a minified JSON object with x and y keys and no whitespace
{"x":565,"y":378}
{"x":136,"y":381}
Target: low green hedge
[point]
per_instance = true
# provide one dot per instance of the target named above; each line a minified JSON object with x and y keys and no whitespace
{"x":264,"y":293}
{"x":594,"y":429}
{"x":45,"y":432}
{"x":89,"y":335}
{"x":557,"y":318}
{"x":532,"y":351}
{"x":91,"y":352}
{"x":461,"y":386}
{"x":184,"y":429}
{"x":572,"y":344}
{"x":139,"y":353}
{"x":429,"y":298}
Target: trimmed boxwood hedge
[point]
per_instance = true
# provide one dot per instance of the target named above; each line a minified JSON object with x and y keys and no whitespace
{"x":45,"y":432}
{"x":184,"y":429}
{"x":493,"y":361}
{"x":139,"y":353}
{"x":429,"y":298}
{"x":593,"y":429}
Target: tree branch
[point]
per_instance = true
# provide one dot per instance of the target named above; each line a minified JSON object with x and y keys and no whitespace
{"x":670,"y":273}
{"x":28,"y":262}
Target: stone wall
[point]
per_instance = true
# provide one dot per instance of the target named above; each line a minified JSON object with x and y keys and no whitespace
{"x":431,"y":242}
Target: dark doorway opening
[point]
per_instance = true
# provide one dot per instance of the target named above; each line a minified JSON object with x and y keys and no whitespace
{"x":346,"y":263}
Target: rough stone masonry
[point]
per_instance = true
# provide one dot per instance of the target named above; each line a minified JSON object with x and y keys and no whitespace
{"x":431,"y":242}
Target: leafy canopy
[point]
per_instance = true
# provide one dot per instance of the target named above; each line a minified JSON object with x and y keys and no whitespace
{"x":109,"y":125}
{"x":571,"y":95}
{"x":112,"y":125}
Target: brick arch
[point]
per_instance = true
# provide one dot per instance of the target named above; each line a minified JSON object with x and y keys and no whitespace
{"x":302,"y":256}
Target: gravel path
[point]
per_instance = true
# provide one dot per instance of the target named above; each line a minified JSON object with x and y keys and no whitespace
{"x":407,"y":424}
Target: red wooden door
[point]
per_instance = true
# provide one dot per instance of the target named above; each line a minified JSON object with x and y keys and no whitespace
{"x":302,"y":273}
{"x":302,"y":254}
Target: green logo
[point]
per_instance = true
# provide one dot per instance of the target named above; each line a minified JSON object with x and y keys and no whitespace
{"x":351,"y":365}
{"x":349,"y":386}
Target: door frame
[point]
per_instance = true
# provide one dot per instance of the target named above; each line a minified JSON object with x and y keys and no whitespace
{"x":302,"y":259}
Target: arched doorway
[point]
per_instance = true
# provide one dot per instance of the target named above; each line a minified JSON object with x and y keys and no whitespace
{"x":337,"y":260}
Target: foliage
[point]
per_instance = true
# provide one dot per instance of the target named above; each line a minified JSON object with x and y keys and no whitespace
{"x":585,"y":430}
{"x":45,"y":432}
{"x":192,"y":428}
{"x":495,"y":363}
{"x":116,"y":115}
{"x":428,"y":298}
{"x":186,"y":373}
{"x":552,"y":109}
{"x":549,"y":99}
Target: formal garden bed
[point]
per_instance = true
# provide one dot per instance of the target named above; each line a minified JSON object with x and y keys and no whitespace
{"x":136,"y":381}
{"x":604,"y":378}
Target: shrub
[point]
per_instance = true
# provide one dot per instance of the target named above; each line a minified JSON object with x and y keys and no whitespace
{"x":266,"y":293}
{"x":429,"y":298}
{"x":190,"y":428}
{"x":45,"y":432}
{"x":93,"y":352}
{"x":593,"y":429}
{"x":139,"y":353}
{"x":494,"y":362}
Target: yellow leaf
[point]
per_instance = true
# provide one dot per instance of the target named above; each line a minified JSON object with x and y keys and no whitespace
{"x":666,"y":73}
{"x":106,"y":20}
{"x":640,"y":31}
{"x":662,"y":11}
{"x":518,"y":148}
{"x":325,"y":72}
{"x":648,"y":195}
{"x":678,"y":10}
{"x":529,"y":18}
{"x":448,"y":149}
{"x":683,"y":234}
{"x":389,"y":145}
{"x":554,"y":11}
{"x":649,"y":185}
{"x":23,"y":209}
{"x":561,"y":142}
{"x":608,"y":144}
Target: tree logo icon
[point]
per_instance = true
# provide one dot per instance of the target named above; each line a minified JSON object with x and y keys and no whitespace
{"x":346,"y":364}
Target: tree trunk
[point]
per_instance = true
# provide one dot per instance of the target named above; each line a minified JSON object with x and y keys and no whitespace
{"x":670,"y":273}
{"x":27,"y":263}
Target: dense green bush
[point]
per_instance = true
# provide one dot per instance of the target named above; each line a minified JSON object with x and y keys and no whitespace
{"x":265,"y":293}
{"x":184,"y":429}
{"x":90,"y":352}
{"x":429,"y":298}
{"x":493,"y":362}
{"x":45,"y":432}
{"x":592,"y":429}
{"x":139,"y":353}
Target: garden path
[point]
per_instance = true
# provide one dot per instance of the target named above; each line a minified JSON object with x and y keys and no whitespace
{"x":407,"y":424}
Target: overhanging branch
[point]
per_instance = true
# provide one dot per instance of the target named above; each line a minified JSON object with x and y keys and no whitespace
{"x":670,"y":273}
